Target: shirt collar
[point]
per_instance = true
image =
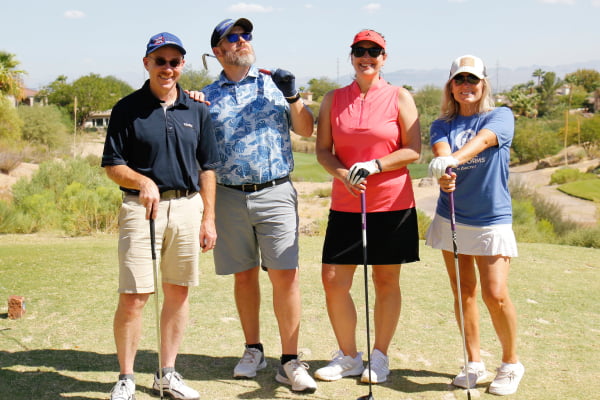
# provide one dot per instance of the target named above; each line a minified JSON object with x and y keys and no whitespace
{"x":252,"y":73}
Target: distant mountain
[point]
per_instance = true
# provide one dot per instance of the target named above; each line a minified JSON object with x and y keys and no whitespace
{"x":500,"y":78}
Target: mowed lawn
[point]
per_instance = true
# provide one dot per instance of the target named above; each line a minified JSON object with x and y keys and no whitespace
{"x":63,"y":347}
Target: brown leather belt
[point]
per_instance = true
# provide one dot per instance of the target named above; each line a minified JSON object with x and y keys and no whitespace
{"x":255,"y":187}
{"x":175,"y":194}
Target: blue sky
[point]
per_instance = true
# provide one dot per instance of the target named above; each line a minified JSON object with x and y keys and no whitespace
{"x":311,"y":38}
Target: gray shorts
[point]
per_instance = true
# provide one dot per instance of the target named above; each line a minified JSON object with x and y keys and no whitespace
{"x":259,"y":228}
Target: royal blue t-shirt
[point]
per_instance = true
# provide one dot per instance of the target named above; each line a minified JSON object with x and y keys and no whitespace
{"x":481,"y":197}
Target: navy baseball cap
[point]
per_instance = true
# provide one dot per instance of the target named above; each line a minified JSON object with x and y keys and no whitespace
{"x":225,"y":26}
{"x":164,"y":39}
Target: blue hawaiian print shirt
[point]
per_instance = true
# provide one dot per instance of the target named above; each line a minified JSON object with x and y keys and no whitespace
{"x":252,"y":124}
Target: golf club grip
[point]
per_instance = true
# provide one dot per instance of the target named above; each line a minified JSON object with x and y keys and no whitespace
{"x":152,"y":239}
{"x":264,"y":71}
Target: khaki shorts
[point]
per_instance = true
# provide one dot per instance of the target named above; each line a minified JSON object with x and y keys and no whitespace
{"x":177,"y":231}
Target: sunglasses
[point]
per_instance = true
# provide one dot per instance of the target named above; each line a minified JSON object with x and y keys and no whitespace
{"x":373,"y":51}
{"x":472,"y":79}
{"x":235,"y":37}
{"x":174,"y":63}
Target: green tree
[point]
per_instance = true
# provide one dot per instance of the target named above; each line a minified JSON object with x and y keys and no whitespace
{"x":590,"y":133}
{"x":547,"y":92}
{"x":11,"y":81}
{"x":589,"y":79}
{"x":539,"y":74}
{"x":428,"y":101}
{"x":320,"y":86}
{"x":93,"y":93}
{"x":535,"y":139}
{"x":193,"y":79}
{"x":10,"y":123}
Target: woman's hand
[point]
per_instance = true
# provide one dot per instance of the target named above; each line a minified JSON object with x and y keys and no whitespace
{"x":448,"y":182}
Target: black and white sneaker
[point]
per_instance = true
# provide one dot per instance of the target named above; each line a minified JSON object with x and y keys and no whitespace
{"x":173,"y":385}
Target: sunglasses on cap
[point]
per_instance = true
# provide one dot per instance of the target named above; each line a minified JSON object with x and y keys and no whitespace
{"x":235,"y":37}
{"x":174,"y":63}
{"x":373,"y":51}
{"x":472,"y":79}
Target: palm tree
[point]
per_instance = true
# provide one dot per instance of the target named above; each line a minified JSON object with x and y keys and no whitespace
{"x":11,"y":82}
{"x":538,"y":73}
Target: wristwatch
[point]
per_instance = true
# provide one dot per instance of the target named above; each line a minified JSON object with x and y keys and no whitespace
{"x":293,"y":99}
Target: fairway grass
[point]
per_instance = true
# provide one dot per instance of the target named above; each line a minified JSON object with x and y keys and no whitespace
{"x":63,"y":346}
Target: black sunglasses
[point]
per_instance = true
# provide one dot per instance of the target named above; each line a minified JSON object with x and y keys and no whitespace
{"x":174,"y":63}
{"x":235,"y":37}
{"x":373,"y":51}
{"x":472,"y":79}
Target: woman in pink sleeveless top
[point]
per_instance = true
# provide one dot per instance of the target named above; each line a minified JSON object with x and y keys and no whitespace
{"x":368,"y":132}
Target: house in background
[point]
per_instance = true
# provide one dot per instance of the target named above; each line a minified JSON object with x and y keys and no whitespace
{"x":98,"y":120}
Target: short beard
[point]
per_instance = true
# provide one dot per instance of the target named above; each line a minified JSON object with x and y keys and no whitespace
{"x":232,"y":58}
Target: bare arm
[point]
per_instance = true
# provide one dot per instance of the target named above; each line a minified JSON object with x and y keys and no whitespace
{"x":208,"y":231}
{"x":410,"y":133}
{"x":126,"y":177}
{"x":303,"y":122}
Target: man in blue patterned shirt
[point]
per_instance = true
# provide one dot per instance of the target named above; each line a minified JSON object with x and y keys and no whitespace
{"x":256,"y":207}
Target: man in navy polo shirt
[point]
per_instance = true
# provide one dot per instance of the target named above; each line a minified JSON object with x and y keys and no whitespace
{"x":160,"y":149}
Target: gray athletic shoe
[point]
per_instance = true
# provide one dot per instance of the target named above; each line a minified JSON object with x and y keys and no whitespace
{"x":295,"y":374}
{"x":123,"y":390}
{"x":252,"y":360}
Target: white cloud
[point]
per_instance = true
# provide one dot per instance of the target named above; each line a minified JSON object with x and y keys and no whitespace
{"x":372,"y":7}
{"x":249,"y":8}
{"x":309,"y":6}
{"x":74,"y":14}
{"x":565,"y":2}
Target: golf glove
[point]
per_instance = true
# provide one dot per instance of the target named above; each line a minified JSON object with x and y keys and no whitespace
{"x":285,"y":81}
{"x":437,"y":166}
{"x":359,"y":171}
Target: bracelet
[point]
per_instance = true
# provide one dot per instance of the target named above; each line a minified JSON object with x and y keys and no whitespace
{"x":294,"y":98}
{"x":379,"y":165}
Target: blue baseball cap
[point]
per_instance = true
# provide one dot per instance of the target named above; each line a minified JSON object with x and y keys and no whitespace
{"x":164,"y":39}
{"x":225,"y":26}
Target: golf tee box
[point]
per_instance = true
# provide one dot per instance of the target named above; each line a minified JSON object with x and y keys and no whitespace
{"x":16,"y":307}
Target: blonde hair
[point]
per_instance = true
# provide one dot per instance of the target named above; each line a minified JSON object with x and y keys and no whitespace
{"x":450,"y":107}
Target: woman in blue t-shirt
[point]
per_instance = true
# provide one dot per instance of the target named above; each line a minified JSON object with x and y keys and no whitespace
{"x":474,"y":138}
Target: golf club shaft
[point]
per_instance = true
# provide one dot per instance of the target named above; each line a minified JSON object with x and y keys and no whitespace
{"x":363,"y":208}
{"x":205,"y":64}
{"x":458,"y":286}
{"x":156,"y":303}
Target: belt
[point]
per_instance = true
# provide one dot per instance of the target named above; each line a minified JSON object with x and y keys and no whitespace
{"x":255,"y":187}
{"x":174,"y":194}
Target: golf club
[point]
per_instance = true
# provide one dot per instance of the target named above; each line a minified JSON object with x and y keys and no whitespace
{"x":458,"y":290}
{"x":363,"y":212}
{"x":156,"y":308}
{"x":264,"y":71}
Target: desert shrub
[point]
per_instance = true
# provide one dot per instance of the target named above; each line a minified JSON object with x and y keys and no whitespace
{"x":583,"y":237}
{"x":565,"y":175}
{"x":89,"y":210}
{"x":11,"y":124}
{"x":44,"y":125}
{"x":528,"y":227}
{"x":9,"y":160}
{"x":423,"y":222}
{"x":15,"y":221}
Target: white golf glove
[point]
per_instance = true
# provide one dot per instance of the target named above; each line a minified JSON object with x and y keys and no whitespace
{"x":437,"y":166}
{"x":359,"y":171}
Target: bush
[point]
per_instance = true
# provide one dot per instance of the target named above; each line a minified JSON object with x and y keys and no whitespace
{"x":10,"y":123}
{"x":565,"y":175}
{"x":423,"y":222}
{"x":583,"y":237}
{"x":44,"y":125}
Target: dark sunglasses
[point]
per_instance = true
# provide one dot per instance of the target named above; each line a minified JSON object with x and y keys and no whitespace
{"x":174,"y":63}
{"x":235,"y":37}
{"x":472,"y":79}
{"x":373,"y":51}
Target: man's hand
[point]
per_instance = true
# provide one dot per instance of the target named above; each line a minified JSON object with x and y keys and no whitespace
{"x":197,"y":96}
{"x":359,"y":171}
{"x":437,"y":166}
{"x":285,"y":81}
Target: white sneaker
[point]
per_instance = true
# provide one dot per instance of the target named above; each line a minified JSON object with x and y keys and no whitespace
{"x":295,"y":374}
{"x":507,"y":380}
{"x":123,"y":390}
{"x":477,"y":373}
{"x":252,"y":360}
{"x":379,"y":368}
{"x":173,"y":385}
{"x":341,"y":366}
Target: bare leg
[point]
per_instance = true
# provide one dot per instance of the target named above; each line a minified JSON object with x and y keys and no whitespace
{"x":493,"y":272}
{"x":173,"y":321}
{"x":388,"y":301}
{"x":247,"y":299}
{"x":127,"y":328}
{"x":286,"y":304}
{"x":468,"y":286}
{"x":337,"y":282}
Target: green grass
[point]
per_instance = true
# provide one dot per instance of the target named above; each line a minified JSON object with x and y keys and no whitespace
{"x":585,"y":189}
{"x":63,"y":346}
{"x":307,"y":169}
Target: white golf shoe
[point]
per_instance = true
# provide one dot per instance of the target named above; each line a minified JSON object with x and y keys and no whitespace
{"x":295,"y":374}
{"x":341,"y":366}
{"x":123,"y":390}
{"x":252,"y":360}
{"x":507,"y":380}
{"x":173,"y":385}
{"x":477,"y":373}
{"x":379,"y":368}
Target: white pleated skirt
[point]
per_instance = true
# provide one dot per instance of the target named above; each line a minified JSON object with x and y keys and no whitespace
{"x":472,"y":240}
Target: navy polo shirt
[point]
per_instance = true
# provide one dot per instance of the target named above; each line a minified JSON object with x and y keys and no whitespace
{"x":168,"y":147}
